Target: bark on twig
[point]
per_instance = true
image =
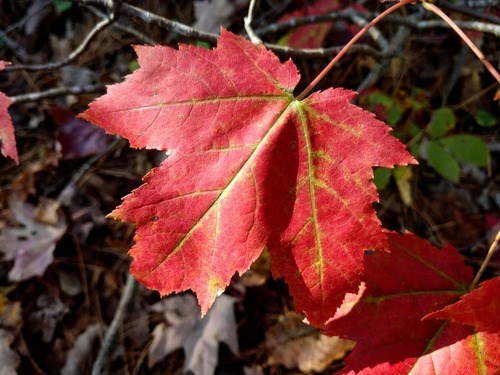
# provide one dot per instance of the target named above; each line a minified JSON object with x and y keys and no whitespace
{"x":56,"y":92}
{"x":102,"y":25}
{"x":111,"y":337}
{"x":248,"y":24}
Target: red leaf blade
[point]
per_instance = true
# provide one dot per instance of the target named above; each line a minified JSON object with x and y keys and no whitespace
{"x":320,"y":252}
{"x":386,"y":316}
{"x":479,"y":308}
{"x":7,"y":139}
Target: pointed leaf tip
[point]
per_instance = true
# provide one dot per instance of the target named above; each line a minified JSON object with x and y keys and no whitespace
{"x":479,"y":308}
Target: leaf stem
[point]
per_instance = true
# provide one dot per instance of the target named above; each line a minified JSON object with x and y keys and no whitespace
{"x":465,"y":38}
{"x":343,"y":51}
{"x":486,"y":260}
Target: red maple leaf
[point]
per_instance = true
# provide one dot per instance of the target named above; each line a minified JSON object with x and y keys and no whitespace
{"x":385,"y":317}
{"x":479,"y":308}
{"x":7,"y":139}
{"x":250,"y":166}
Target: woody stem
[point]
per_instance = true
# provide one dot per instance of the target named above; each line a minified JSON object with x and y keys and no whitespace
{"x":486,"y":260}
{"x":343,"y":51}
{"x":465,"y":38}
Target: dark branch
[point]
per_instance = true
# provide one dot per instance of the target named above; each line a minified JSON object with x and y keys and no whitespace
{"x":55,"y":92}
{"x":102,"y":25}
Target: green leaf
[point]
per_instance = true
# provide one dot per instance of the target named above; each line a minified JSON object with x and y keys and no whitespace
{"x":394,"y":115}
{"x":467,"y":148}
{"x":485,"y":119}
{"x":378,"y":97}
{"x":381,"y":177}
{"x":394,"y":111}
{"x":418,"y":99}
{"x":133,"y":65}
{"x":62,"y":5}
{"x":442,"y":162}
{"x":201,"y":43}
{"x":414,"y":149}
{"x":442,"y":121}
{"x":403,"y":176}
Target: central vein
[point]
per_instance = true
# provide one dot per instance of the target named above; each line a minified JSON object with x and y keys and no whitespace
{"x":312,"y":194}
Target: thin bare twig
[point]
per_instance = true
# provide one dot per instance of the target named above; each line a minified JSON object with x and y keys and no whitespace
{"x":102,"y":25}
{"x":293,"y":23}
{"x":346,"y":14}
{"x":375,"y":33}
{"x":37,"y":8}
{"x":192,"y":33}
{"x":486,"y":260}
{"x":488,"y":28}
{"x":176,"y":27}
{"x":395,"y":46}
{"x":248,"y":24}
{"x":397,"y":43}
{"x":55,"y":92}
{"x":358,"y":36}
{"x":470,"y":12}
{"x":110,"y":339}
{"x":455,"y":74}
{"x":125,"y":28}
{"x":66,"y":194}
{"x":15,"y":47}
{"x":465,"y":38}
{"x":315,"y":53}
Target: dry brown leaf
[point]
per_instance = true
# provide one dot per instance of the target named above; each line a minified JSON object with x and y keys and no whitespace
{"x":10,"y":313}
{"x":29,"y":242}
{"x":45,"y":319}
{"x":9,"y":359}
{"x":79,"y":358}
{"x":295,"y":344}
{"x":199,"y":338}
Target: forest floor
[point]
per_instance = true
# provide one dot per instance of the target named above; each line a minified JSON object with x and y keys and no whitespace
{"x":60,"y":294}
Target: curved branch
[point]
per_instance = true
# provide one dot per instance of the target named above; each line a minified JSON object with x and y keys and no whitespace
{"x":192,"y":33}
{"x":346,"y":14}
{"x":55,"y":92}
{"x":109,"y":343}
{"x":469,"y":12}
{"x":176,"y":27}
{"x":72,"y":56}
{"x":248,"y":24}
{"x":465,"y":38}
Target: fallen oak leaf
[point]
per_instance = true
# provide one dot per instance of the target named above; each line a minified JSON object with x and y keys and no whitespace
{"x":294,"y":344}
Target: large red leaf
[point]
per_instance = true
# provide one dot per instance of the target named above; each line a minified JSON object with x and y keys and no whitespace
{"x":7,"y":139}
{"x":479,"y":308}
{"x":249,"y":166}
{"x":400,"y":288}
